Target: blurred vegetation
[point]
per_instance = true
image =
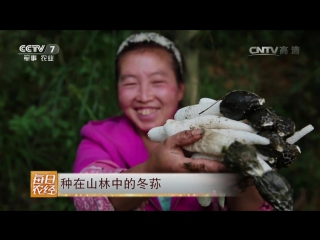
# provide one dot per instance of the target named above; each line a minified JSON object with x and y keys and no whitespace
{"x":43,"y":105}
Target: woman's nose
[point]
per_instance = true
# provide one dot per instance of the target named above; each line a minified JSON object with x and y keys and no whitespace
{"x":145,"y":93}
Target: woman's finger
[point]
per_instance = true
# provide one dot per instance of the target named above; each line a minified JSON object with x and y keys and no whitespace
{"x":184,"y":138}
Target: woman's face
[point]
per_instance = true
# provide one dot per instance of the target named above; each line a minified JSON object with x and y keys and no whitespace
{"x":147,"y":88}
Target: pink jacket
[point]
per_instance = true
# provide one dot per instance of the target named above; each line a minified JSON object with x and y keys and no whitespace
{"x":112,"y":146}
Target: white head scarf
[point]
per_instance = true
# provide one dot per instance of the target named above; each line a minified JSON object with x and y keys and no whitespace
{"x":152,"y":37}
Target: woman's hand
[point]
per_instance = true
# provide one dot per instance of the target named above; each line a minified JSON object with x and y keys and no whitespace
{"x":168,"y":156}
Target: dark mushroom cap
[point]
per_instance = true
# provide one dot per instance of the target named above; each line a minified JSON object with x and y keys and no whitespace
{"x":241,"y":158}
{"x":237,"y":105}
{"x":277,"y":144}
{"x":262,"y":119}
{"x":275,"y":190}
{"x":289,"y":155}
{"x":285,"y":127}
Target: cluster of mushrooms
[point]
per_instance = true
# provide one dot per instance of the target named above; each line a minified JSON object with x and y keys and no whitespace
{"x":250,"y":139}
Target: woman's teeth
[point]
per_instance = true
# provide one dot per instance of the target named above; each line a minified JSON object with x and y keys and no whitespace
{"x":146,"y":111}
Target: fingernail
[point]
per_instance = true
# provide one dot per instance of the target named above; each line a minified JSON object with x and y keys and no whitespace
{"x":197,"y":131}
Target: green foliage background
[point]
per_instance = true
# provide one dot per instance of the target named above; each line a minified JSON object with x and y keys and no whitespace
{"x":43,"y":105}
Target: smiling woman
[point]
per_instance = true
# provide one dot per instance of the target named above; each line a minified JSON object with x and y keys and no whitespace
{"x":148,"y":90}
{"x":149,"y":72}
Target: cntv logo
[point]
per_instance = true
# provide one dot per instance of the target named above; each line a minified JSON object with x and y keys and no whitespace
{"x":256,"y":51}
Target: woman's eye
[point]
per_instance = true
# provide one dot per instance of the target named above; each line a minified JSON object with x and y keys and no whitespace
{"x":158,"y":82}
{"x":129,"y":84}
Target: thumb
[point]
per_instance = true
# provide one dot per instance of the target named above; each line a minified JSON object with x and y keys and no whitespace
{"x":185,"y":138}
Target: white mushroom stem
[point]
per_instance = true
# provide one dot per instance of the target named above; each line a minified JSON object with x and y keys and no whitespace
{"x":205,"y":122}
{"x":222,"y":199}
{"x":263,"y":157}
{"x":206,"y":201}
{"x":214,"y":143}
{"x":243,"y":136}
{"x":262,"y":169}
{"x":195,"y":110}
{"x":266,"y":158}
{"x":211,"y":143}
{"x":207,"y":100}
{"x":157,"y":134}
{"x":299,"y":134}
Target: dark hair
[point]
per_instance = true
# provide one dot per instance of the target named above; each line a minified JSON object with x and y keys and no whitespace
{"x":152,"y":45}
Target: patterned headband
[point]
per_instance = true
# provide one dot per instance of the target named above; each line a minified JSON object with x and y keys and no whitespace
{"x":153,"y":37}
